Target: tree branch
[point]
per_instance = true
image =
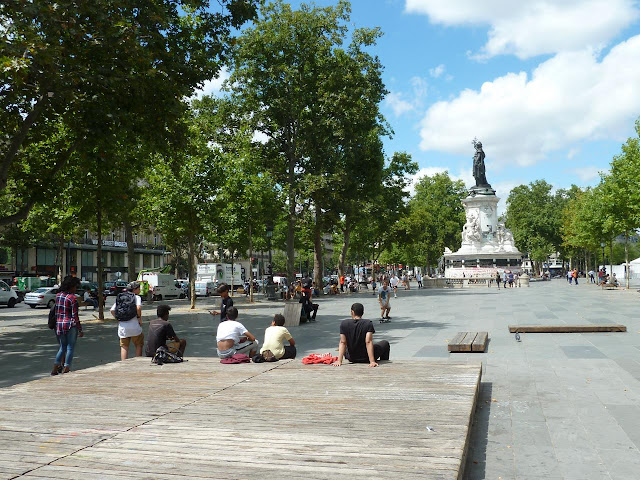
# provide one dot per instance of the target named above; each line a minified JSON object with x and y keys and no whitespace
{"x":23,"y":212}
{"x":19,"y":139}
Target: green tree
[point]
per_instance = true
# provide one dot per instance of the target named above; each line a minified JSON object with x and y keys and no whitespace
{"x":301,"y":89}
{"x":100,"y":68}
{"x":434,"y":220}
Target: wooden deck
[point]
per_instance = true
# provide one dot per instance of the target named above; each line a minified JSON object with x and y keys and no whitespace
{"x":201,"y":419}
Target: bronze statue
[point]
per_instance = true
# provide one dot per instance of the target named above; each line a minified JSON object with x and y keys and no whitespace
{"x":478,"y":166}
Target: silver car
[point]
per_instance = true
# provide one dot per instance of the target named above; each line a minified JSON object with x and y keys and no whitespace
{"x":45,"y":296}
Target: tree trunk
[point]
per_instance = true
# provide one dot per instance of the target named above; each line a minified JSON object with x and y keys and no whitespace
{"x":428,"y":265}
{"x":59,"y":262}
{"x":291,"y":220}
{"x":233,"y":254}
{"x":250,"y":266}
{"x":192,"y":270}
{"x":99,"y":262}
{"x":345,"y":246}
{"x":131,"y":255}
{"x":317,"y":251}
{"x":626,"y":260}
{"x":611,"y":257}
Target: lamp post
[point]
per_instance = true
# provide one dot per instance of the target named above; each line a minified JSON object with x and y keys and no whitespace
{"x":602,"y":244}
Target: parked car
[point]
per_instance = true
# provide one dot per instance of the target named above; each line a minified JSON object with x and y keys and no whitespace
{"x":20,"y":293}
{"x":43,"y":296}
{"x":114,"y":288}
{"x":8,"y":296}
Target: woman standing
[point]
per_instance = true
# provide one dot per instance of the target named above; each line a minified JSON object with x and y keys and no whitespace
{"x":68,"y":327}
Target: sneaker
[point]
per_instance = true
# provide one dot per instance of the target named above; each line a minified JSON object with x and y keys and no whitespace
{"x":388,"y":317}
{"x":395,"y":296}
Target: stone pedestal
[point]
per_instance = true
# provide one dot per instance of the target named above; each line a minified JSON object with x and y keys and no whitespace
{"x":487,"y":245}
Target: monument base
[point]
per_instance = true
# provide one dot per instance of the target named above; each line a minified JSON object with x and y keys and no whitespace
{"x":481,"y":265}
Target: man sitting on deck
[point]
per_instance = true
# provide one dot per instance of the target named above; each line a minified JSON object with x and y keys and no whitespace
{"x":234,"y":338}
{"x":356,"y":340}
{"x":160,"y":330}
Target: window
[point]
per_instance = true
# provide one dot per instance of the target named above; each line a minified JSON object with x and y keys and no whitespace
{"x":146,"y":260}
{"x":104,"y":257}
{"x":156,"y":261}
{"x":88,"y":259}
{"x":46,"y":256}
{"x":117,"y":259}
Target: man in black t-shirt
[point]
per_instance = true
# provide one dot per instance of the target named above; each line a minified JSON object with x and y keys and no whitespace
{"x":227,"y":301}
{"x":160,"y":330}
{"x":356,"y":340}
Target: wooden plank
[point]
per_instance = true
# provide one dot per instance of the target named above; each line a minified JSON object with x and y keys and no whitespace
{"x":566,"y":328}
{"x":292,"y":314}
{"x":454,"y":344}
{"x":214,"y":429}
{"x":480,"y":342}
{"x":467,"y":341}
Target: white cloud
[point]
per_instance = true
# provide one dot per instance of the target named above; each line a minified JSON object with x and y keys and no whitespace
{"x":534,"y":27}
{"x":465,"y":175}
{"x":437,"y":71}
{"x":420,"y":88}
{"x":398,"y":104}
{"x":213,"y":86}
{"x":568,"y":99}
{"x":587,"y":174}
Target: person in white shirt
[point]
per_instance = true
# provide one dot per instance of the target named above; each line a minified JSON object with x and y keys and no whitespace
{"x":129,"y":328}
{"x":419,"y":279}
{"x":233,"y":337}
{"x":394,"y":284}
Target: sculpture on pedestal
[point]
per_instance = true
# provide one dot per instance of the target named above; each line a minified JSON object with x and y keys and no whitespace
{"x":479,"y":172}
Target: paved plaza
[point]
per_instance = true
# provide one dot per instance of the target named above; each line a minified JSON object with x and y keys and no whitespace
{"x":554,"y":406}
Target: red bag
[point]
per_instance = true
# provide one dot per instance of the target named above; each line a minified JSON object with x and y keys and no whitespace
{"x":236,"y":358}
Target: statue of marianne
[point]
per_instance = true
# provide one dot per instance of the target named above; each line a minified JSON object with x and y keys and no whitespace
{"x":478,"y":165}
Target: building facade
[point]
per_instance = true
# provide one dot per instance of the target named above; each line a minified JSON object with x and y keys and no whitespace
{"x":79,"y":257}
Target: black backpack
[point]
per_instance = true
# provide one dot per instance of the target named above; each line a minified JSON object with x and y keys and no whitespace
{"x":53,"y":318}
{"x":163,"y":355}
{"x":126,"y":308}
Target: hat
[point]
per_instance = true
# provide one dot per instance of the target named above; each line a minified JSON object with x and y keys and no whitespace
{"x":133,"y":286}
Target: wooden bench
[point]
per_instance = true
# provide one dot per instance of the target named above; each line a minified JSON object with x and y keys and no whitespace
{"x":566,"y":328}
{"x":610,"y":286}
{"x":292,"y":312}
{"x":469,"y":342}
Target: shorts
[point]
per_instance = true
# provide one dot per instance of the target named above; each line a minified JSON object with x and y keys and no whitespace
{"x":138,"y":341}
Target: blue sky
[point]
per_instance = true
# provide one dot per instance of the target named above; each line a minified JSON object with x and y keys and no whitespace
{"x":550,"y":87}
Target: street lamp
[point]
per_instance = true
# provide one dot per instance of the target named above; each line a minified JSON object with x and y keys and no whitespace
{"x":602,"y":245}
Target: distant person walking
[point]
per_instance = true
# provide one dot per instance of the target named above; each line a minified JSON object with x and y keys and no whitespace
{"x":569,"y":276}
{"x":498,"y":279}
{"x":68,"y":327}
{"x":394,"y":284}
{"x":574,"y":274}
{"x":342,"y":283}
{"x":419,"y":279}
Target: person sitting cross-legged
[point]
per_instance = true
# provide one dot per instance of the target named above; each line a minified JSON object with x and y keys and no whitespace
{"x":274,"y":337}
{"x":356,"y":340}
{"x":160,"y":330}
{"x":233,"y":337}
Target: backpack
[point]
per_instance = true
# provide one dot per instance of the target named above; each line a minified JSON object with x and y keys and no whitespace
{"x":126,"y":308}
{"x":163,"y":355}
{"x":53,"y":318}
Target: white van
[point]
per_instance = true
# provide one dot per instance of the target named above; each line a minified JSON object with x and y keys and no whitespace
{"x":162,"y":285}
{"x":205,"y":289}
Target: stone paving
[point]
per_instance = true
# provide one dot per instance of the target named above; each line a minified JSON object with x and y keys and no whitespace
{"x":553,"y":406}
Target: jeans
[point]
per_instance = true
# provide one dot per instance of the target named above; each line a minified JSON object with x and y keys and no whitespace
{"x":67,"y":343}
